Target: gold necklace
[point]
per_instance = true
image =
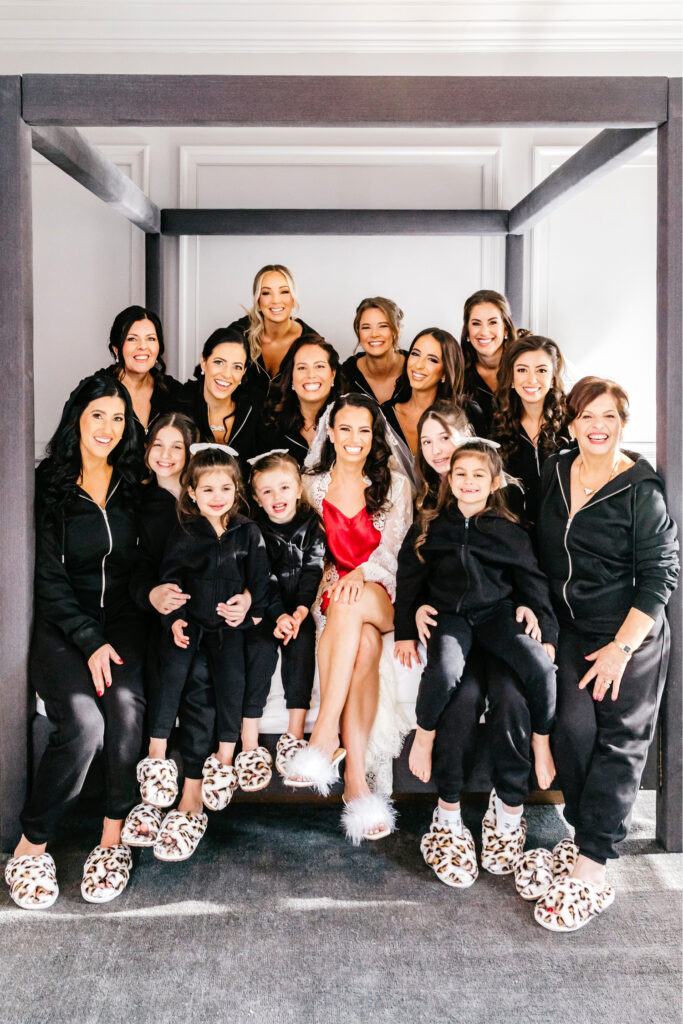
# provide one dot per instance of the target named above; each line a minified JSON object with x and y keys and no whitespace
{"x":591,"y":490}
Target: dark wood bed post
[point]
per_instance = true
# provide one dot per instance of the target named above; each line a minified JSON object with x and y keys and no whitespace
{"x":670,"y":441}
{"x":154,"y":275}
{"x":16,"y":454}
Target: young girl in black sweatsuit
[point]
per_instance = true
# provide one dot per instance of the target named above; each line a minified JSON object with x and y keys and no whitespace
{"x":295,"y":542}
{"x":473,"y":564}
{"x":215,"y":555}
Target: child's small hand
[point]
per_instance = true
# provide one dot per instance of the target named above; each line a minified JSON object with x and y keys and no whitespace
{"x":181,"y":638}
{"x":425,"y":616}
{"x":533,"y":629}
{"x":550,"y":651}
{"x":235,"y":610}
{"x":286,"y":628}
{"x":405,"y":651}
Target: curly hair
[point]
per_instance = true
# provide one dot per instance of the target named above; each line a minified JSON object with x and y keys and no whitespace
{"x":376,"y":466}
{"x":256,"y":321}
{"x":184,"y":425}
{"x":122,"y":324}
{"x":495,"y":503}
{"x":503,"y":307}
{"x":508,"y":408}
{"x":60,"y":470}
{"x":453,"y":364}
{"x":203,"y":462}
{"x":283,"y":408}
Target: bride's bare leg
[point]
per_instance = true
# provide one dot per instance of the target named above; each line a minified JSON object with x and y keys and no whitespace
{"x":360,"y":710}
{"x":337,"y":652}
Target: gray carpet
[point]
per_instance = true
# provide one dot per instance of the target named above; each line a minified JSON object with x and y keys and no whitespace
{"x":277,"y":918}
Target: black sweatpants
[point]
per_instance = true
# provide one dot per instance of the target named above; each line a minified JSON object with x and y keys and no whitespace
{"x":85,"y":724}
{"x":455,"y":743}
{"x":224,"y":650}
{"x":297,"y":666}
{"x":197,"y":717}
{"x":499,"y":634}
{"x":600,"y":747}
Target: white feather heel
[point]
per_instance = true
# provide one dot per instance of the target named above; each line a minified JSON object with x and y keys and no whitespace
{"x":310,"y":767}
{"x":365,"y":813}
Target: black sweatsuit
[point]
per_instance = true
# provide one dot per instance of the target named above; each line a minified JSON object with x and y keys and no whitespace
{"x":474,"y":573}
{"x":525,"y":463}
{"x":211,"y":569}
{"x":296,"y":553}
{"x":197,"y":713}
{"x":257,"y":381}
{"x":245,"y":435}
{"x":478,"y":391}
{"x":167,"y":396}
{"x":359,"y":384}
{"x":84,"y":557}
{"x":619,"y":551}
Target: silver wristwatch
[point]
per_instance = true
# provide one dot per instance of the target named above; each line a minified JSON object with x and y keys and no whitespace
{"x":626,"y":648}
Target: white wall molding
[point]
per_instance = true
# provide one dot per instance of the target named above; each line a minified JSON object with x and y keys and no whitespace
{"x":193,"y":158}
{"x":330,"y":26}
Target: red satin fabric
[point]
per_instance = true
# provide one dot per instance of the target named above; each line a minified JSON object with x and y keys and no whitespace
{"x":350,"y":539}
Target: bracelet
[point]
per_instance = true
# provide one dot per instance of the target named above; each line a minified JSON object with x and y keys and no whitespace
{"x":624,"y":648}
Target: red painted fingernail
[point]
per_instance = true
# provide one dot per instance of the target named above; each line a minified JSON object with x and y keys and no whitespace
{"x":100,"y":692}
{"x":120,"y":661}
{"x":108,"y":684}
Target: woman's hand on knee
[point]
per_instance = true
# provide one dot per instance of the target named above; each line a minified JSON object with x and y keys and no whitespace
{"x":405,"y":651}
{"x":100,"y":668}
{"x":349,"y":588}
{"x":607,"y":669}
{"x":532,"y":627}
{"x":167,"y":597}
{"x":180,"y":638}
{"x":425,"y":616}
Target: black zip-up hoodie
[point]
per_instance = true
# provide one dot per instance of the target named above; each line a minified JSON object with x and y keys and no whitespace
{"x":470,"y":565}
{"x":618,"y":552}
{"x":158,"y":517}
{"x":246,"y":423}
{"x":476,"y":388}
{"x":358,"y":383}
{"x":84,"y":557}
{"x":257,"y":381}
{"x":525,"y":463}
{"x":211,"y":569}
{"x":296,"y":553}
{"x":167,"y":396}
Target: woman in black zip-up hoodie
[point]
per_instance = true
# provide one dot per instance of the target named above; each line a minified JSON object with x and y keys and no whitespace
{"x":610,"y":551}
{"x":87,"y":650}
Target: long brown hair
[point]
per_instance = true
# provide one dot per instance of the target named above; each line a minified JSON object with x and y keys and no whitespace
{"x":453,"y":419}
{"x":453,"y":365}
{"x":187,"y":430}
{"x":203,"y":462}
{"x":508,"y":408}
{"x":503,"y":307}
{"x":392,"y":312}
{"x":495,"y":503}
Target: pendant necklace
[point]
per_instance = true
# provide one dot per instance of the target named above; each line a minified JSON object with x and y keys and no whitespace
{"x":591,"y":490}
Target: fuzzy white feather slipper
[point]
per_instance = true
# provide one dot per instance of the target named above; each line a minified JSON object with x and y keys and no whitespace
{"x":310,"y":767}
{"x":374,"y":811}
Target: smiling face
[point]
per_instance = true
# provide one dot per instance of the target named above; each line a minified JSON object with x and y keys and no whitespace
{"x":437,"y":444}
{"x":223,"y":370}
{"x":277,"y":492}
{"x":140,"y":349}
{"x":312,"y":375}
{"x":166,"y":454}
{"x":424,"y":364}
{"x":351,"y":435}
{"x":598,"y":428}
{"x":374,"y":333}
{"x":532,"y":376}
{"x":275,"y":300}
{"x":485,"y":329}
{"x":101,"y":426}
{"x":214,"y":494}
{"x":471,"y":483}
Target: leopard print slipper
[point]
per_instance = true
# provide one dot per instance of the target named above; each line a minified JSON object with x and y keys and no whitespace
{"x":142,"y":814}
{"x":286,"y":748}
{"x":254,"y":770}
{"x":106,"y":873}
{"x":158,"y":778}
{"x":570,"y":903}
{"x":500,"y":851}
{"x":219,"y":782}
{"x":536,"y":870}
{"x":179,"y":835}
{"x":32,"y":881}
{"x":452,"y":857}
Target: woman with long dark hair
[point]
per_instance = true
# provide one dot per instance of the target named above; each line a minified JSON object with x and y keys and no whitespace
{"x":366,"y":507}
{"x":487,"y":328}
{"x":88,"y":645}
{"x":136,"y":342}
{"x":308,"y":382}
{"x":434,"y":371}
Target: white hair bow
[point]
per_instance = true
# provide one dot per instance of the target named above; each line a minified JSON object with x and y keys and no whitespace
{"x":205,"y":445}
{"x":264,"y":455}
{"x":478,"y":440}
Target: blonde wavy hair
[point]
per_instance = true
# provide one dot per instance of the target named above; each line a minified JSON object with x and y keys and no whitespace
{"x":256,"y":321}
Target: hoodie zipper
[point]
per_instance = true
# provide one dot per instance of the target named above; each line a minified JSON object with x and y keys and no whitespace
{"x":464,"y":565}
{"x":111,"y":541}
{"x":570,"y":520}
